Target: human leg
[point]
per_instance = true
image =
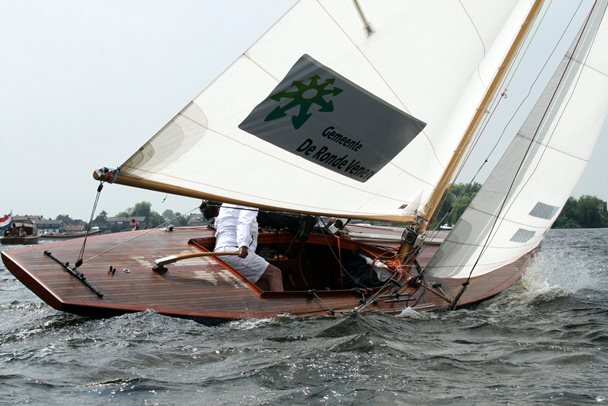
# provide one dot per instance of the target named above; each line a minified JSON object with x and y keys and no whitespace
{"x":271,"y":279}
{"x":255,"y":268}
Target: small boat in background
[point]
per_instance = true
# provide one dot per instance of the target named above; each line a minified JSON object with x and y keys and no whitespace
{"x":22,"y":232}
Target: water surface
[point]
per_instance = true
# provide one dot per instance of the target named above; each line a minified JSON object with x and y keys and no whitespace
{"x":544,"y":341}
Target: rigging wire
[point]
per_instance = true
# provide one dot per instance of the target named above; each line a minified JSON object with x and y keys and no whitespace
{"x":366,"y":24}
{"x":337,"y":258}
{"x":532,"y":141}
{"x":328,"y":309}
{"x":84,"y":242}
{"x":494,"y":107}
{"x":139,"y":235}
{"x":506,"y":83}
{"x":394,"y":279}
{"x":546,"y":144}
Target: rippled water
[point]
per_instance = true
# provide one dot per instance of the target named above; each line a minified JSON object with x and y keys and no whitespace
{"x":545,"y":341}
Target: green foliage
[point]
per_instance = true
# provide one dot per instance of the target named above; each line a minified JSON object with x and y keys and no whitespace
{"x":584,"y":212}
{"x":101,"y":220}
{"x":456,"y":200}
{"x":176,"y":218}
{"x":153,"y":219}
{"x":143,"y":209}
{"x":180,"y":220}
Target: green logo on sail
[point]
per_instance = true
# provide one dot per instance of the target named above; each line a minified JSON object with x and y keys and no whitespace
{"x":356,"y":140}
{"x":304,"y":96}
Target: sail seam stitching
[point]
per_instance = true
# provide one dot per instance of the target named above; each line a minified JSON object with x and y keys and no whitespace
{"x":547,"y":146}
{"x":382,"y":78}
{"x":299,"y":167}
{"x":310,"y":207}
{"x":503,"y":218}
{"x":256,"y":63}
{"x":567,"y":69}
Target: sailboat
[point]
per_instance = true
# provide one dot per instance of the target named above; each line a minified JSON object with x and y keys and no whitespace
{"x":22,"y":231}
{"x":358,"y":111}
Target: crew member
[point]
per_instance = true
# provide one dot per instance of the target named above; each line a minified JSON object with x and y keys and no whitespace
{"x":236,"y":229}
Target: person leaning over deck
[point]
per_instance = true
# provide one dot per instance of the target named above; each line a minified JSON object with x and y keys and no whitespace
{"x":236,"y":229}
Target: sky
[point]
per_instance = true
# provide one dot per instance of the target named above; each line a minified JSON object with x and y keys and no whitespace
{"x":84,"y":84}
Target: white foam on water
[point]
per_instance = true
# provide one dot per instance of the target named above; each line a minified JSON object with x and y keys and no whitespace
{"x":410,"y":313}
{"x":558,"y":273}
{"x":248,"y":324}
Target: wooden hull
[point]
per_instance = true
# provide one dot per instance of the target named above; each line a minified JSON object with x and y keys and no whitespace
{"x":27,"y":240}
{"x":207,"y":289}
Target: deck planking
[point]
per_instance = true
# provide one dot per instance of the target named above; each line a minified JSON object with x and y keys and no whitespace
{"x":203,"y":287}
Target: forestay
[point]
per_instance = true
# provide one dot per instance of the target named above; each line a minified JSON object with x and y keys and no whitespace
{"x":532,"y":181}
{"x":321,"y":116}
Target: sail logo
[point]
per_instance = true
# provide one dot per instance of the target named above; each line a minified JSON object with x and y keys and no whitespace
{"x":318,"y":115}
{"x":304,"y":96}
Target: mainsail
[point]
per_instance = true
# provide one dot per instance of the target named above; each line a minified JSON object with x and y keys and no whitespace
{"x":345,"y":108}
{"x":525,"y":192}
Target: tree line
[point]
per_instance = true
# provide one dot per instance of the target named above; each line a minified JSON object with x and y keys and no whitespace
{"x":584,"y":212}
{"x":144,"y":209}
{"x":141,"y":209}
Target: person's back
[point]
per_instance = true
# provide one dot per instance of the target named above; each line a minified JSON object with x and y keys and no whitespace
{"x":235,"y":227}
{"x":236,"y":230}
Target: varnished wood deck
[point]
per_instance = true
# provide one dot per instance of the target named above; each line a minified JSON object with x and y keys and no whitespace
{"x":203,"y":288}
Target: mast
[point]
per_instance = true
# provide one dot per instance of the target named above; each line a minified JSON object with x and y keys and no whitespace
{"x":432,"y":204}
{"x":524,"y":193}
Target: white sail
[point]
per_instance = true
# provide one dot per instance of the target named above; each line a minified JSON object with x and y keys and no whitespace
{"x":387,"y":109}
{"x":532,"y":181}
